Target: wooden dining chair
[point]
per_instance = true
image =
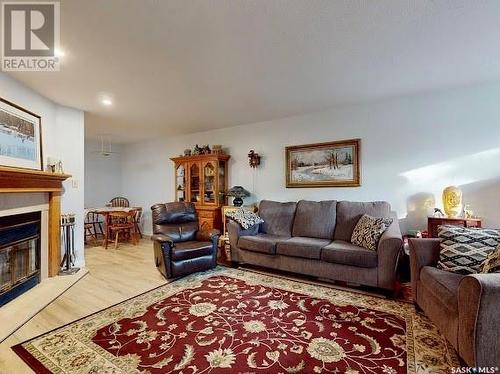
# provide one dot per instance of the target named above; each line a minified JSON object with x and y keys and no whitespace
{"x":121,"y":223}
{"x":89,"y":233}
{"x":120,"y":201}
{"x":93,"y":220}
{"x":137,"y":221}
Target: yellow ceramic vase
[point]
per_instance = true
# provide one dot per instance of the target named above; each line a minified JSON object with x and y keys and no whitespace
{"x":452,"y":201}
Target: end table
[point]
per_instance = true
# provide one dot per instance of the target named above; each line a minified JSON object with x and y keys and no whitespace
{"x":434,"y":222}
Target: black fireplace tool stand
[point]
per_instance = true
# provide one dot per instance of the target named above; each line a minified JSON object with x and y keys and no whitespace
{"x":68,"y":243}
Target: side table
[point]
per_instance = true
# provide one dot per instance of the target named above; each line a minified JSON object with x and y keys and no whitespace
{"x":434,"y":222}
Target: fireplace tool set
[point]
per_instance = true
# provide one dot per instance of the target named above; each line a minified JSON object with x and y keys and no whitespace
{"x":68,"y":243}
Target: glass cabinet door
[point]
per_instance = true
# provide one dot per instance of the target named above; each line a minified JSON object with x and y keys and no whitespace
{"x":194,"y":183}
{"x":222,"y":182}
{"x":210,"y":187}
{"x":180,"y":183}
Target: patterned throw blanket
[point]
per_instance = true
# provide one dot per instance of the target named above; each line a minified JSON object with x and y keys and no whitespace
{"x":244,"y":217}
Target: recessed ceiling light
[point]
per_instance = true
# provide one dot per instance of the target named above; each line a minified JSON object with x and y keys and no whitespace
{"x":106,"y":101}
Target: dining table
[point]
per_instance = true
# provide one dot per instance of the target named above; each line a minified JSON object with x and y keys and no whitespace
{"x":107,"y":211}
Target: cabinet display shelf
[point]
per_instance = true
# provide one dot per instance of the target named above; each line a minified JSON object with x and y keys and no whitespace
{"x":204,"y":182}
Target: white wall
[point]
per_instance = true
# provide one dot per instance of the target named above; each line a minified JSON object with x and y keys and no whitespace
{"x":412,"y":147}
{"x":63,"y":138}
{"x":103,"y":175}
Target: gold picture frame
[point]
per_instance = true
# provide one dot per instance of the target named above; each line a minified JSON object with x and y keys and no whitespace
{"x":331,"y":164}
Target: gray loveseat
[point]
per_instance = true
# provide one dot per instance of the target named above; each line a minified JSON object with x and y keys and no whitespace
{"x":313,"y":238}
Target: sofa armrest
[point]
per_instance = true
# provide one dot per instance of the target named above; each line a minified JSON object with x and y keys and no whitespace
{"x":479,"y":320}
{"x":388,"y":250}
{"x":423,"y":252}
{"x":207,"y":235}
{"x":234,"y":231}
{"x":162,"y":238}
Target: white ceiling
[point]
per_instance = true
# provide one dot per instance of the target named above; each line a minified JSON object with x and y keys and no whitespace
{"x":182,"y":66}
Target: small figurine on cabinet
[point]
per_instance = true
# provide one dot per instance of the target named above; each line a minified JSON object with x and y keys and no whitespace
{"x":197,"y":150}
{"x":206,"y":150}
{"x":253,"y":159}
{"x":187,"y":152}
{"x":217,"y":149}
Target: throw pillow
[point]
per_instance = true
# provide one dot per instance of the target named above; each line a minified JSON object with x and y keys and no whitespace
{"x":492,"y":262}
{"x":244,"y":217}
{"x":464,"y":249}
{"x":369,"y":230}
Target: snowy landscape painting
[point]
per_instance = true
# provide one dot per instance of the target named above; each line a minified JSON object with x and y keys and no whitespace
{"x":334,"y":164}
{"x":19,"y":137}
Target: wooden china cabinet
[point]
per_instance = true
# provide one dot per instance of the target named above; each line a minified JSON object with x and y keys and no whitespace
{"x":202,"y":179}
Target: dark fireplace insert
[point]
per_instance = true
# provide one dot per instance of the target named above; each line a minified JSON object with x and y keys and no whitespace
{"x":19,"y":254}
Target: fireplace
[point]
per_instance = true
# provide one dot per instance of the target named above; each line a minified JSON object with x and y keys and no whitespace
{"x":19,"y":254}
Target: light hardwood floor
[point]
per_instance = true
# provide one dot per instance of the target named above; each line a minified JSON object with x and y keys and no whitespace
{"x":115,"y":275}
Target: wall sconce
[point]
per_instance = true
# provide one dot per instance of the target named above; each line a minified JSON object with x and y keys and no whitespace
{"x":253,"y":159}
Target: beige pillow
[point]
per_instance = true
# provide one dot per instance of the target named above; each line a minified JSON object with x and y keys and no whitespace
{"x":369,"y":230}
{"x":492,"y":262}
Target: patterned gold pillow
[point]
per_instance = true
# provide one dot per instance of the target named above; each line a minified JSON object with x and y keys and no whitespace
{"x":369,"y":230}
{"x":492,"y":262}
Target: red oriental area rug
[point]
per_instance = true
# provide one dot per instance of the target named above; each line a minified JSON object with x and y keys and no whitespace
{"x":234,"y":321}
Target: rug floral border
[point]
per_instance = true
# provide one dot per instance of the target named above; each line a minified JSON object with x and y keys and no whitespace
{"x":427,"y":350}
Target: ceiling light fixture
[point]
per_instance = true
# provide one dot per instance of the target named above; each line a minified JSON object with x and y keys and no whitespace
{"x":105,"y":147}
{"x":105,"y":99}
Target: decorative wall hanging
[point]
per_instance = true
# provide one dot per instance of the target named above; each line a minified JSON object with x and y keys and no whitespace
{"x":253,"y":159}
{"x":20,"y":137}
{"x":333,"y":164}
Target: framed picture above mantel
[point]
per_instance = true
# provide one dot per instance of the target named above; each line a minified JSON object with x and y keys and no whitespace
{"x":20,"y":137}
{"x":332,"y":164}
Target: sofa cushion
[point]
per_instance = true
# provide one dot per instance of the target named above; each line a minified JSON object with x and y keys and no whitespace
{"x":369,"y":230}
{"x":315,"y":219}
{"x":190,"y":249}
{"x":302,"y":247}
{"x":349,"y":213}
{"x":278,"y":217}
{"x":341,"y":252}
{"x":442,"y":284}
{"x":463,"y":250}
{"x":264,"y":243}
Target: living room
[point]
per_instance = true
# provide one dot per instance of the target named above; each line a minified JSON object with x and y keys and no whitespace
{"x":234,"y":186}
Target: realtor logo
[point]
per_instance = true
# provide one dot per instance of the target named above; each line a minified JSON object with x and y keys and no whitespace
{"x":30,"y":36}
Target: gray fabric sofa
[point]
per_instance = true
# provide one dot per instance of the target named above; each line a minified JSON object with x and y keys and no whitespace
{"x":465,"y":308}
{"x":313,"y":238}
